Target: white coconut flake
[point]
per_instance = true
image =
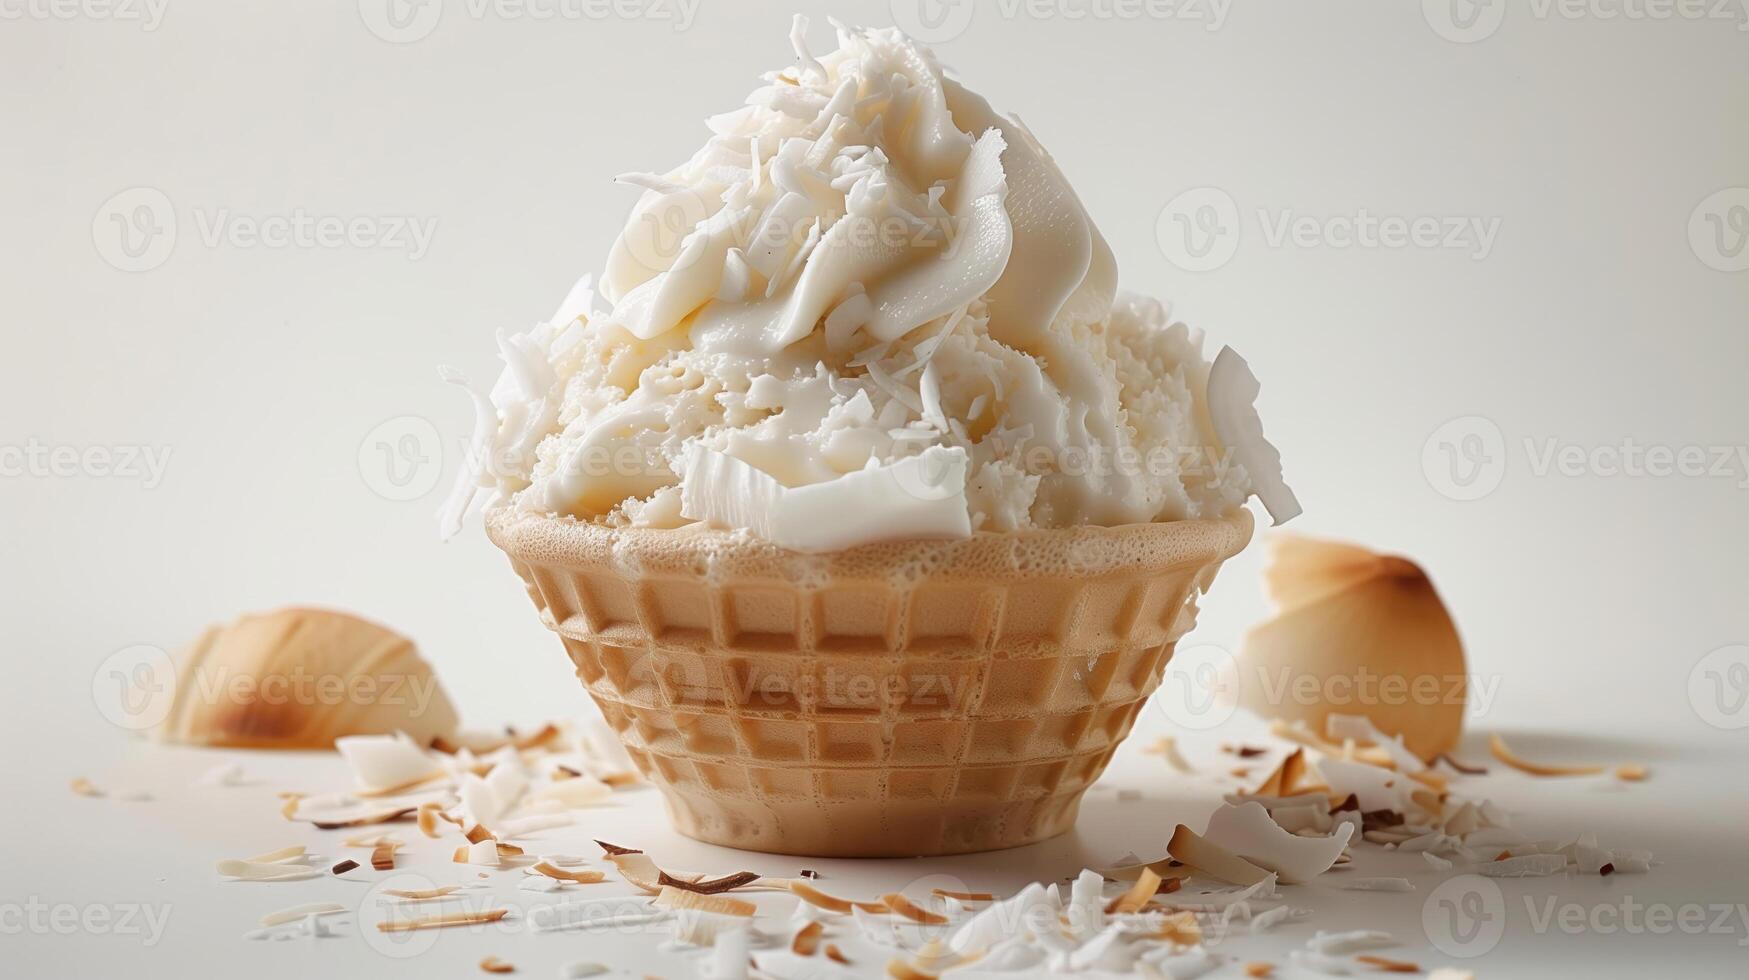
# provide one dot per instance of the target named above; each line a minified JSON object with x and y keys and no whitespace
{"x":229,"y":774}
{"x":1248,"y":832}
{"x":1436,"y":861}
{"x":1373,"y":884}
{"x":384,"y":762}
{"x":1356,"y":941}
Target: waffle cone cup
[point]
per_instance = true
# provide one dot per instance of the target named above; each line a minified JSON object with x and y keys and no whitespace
{"x":889,"y":700}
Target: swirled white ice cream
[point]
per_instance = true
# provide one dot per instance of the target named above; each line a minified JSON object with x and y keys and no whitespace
{"x":869,"y":308}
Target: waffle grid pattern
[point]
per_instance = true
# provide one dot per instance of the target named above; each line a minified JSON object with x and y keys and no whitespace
{"x":862,"y":718}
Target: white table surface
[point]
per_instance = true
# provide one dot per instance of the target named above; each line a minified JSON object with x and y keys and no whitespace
{"x":111,"y":855}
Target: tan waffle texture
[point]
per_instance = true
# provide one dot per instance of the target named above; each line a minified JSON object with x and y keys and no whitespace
{"x":902,"y":699}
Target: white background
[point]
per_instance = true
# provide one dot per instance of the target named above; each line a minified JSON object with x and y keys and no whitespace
{"x":1590,"y":143}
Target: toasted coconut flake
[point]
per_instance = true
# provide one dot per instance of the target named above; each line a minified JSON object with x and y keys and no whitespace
{"x":1467,"y":770}
{"x":256,"y":871}
{"x":903,"y":907}
{"x":343,"y":867}
{"x":901,"y":970}
{"x":443,"y":921}
{"x":1189,"y":848}
{"x":612,"y":849}
{"x":836,"y":955}
{"x":580,"y":877}
{"x":289,"y":809}
{"x":84,"y":787}
{"x":477,"y":833}
{"x":674,"y":899}
{"x":428,"y":819}
{"x":1168,"y":747}
{"x":421,"y":894}
{"x":1631,"y":772}
{"x":369,"y":819}
{"x":1388,"y":965}
{"x":493,"y":964}
{"x":963,"y":896}
{"x":1258,"y":970}
{"x":383,"y":857}
{"x":806,"y":941}
{"x":622,"y":779}
{"x":1504,"y":753}
{"x":1180,"y":928}
{"x":813,"y":896}
{"x":1139,"y":894}
{"x":370,"y":841}
{"x":710,"y":886}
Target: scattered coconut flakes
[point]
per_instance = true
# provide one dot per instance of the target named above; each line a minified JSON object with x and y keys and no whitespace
{"x":229,"y":774}
{"x":1270,"y":918}
{"x":289,"y":809}
{"x":582,"y":971}
{"x":263,"y":871}
{"x":427,"y":818}
{"x":382,"y":858}
{"x":421,"y":894}
{"x":84,"y":787}
{"x":806,"y":941}
{"x":366,"y":820}
{"x":836,"y":955}
{"x":1248,"y":833}
{"x":1139,"y":894}
{"x":442,"y":921}
{"x":297,"y":912}
{"x":1436,"y":861}
{"x":675,"y":899}
{"x":813,"y":896}
{"x":963,"y":896}
{"x":383,"y":764}
{"x":1632,"y":772}
{"x":1258,"y":970}
{"x":560,"y":874}
{"x":1321,"y":963}
{"x":1374,"y":884}
{"x":712,"y":886}
{"x":1504,"y":753}
{"x":1168,"y":747}
{"x":484,"y":853}
{"x":1361,"y":728}
{"x":578,"y":792}
{"x":905,"y":908}
{"x":493,"y":964}
{"x":1450,"y":973}
{"x":1191,"y":849}
{"x":1388,"y":965}
{"x":1465,"y":769}
{"x":343,"y":867}
{"x":1526,"y":866}
{"x":1338,"y":943}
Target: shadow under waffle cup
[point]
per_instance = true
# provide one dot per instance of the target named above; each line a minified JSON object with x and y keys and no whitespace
{"x":899,"y":699}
